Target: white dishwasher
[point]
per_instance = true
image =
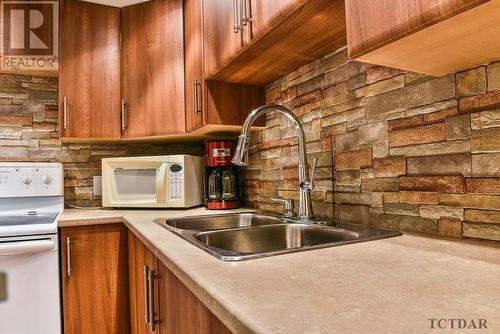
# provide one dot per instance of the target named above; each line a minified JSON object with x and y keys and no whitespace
{"x":31,"y":199}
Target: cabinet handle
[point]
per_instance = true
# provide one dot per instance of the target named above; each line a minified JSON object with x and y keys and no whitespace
{"x":236,"y":26}
{"x":152,"y":319}
{"x":68,"y":256}
{"x":146,"y":294}
{"x":124,"y":114}
{"x":243,"y":11}
{"x":195,"y":102}
{"x":65,"y":112}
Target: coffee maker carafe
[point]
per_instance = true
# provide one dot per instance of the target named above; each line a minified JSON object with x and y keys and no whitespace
{"x":222,"y":178}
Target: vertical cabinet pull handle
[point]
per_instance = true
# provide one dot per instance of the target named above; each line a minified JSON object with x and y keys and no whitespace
{"x":65,"y":112}
{"x":146,"y":294}
{"x":195,"y":102}
{"x":243,"y":11}
{"x":151,"y":305}
{"x":236,"y":26}
{"x":124,"y":114}
{"x":68,"y":256}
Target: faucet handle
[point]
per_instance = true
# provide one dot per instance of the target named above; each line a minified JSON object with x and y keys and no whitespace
{"x":287,"y":204}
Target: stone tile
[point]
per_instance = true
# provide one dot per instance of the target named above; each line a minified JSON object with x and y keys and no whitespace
{"x":471,"y":82}
{"x":343,"y":73}
{"x":353,"y":198}
{"x":481,"y":231}
{"x":381,"y":87}
{"x":441,"y":184}
{"x":486,"y":165}
{"x":336,"y":60}
{"x":483,"y":216}
{"x":442,"y":148}
{"x":329,"y":109}
{"x":401,"y":209}
{"x":418,"y":135}
{"x":485,"y":141}
{"x":347,"y":142}
{"x":494,"y":76}
{"x":353,"y":160}
{"x":441,"y":165}
{"x":389,"y":167}
{"x":405,"y":223}
{"x":310,"y":85}
{"x":485,"y":119}
{"x":337,"y":89}
{"x":474,"y":201}
{"x":458,"y":127}
{"x":380,"y":184}
{"x":434,"y":90}
{"x":486,"y":101}
{"x":377,"y":73}
{"x":357,"y":214}
{"x":450,"y":227}
{"x":351,"y":178}
{"x":374,"y":132}
{"x":380,"y":150}
{"x":390,"y":197}
{"x":356,"y":82}
{"x":347,"y":116}
{"x":486,"y":185}
{"x":418,"y":197}
{"x":16,"y":120}
{"x":432,"y":108}
{"x":438,"y":211}
{"x":11,"y":152}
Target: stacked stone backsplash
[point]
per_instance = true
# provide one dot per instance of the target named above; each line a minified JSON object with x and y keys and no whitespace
{"x":395,"y":148}
{"x":29,"y":132}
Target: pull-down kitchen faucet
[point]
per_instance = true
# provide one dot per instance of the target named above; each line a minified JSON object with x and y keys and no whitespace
{"x":306,"y":183}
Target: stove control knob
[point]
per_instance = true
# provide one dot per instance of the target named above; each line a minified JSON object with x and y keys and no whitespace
{"x":47,"y":179}
{"x":27,"y":179}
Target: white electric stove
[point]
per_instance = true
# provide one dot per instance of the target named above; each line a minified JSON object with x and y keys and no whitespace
{"x":31,"y":199}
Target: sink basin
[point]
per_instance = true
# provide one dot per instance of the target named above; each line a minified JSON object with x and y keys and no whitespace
{"x":273,"y":238}
{"x":244,"y":236}
{"x":223,"y":221}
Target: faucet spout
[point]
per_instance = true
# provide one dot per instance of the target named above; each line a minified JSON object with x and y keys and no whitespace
{"x":305,"y":184}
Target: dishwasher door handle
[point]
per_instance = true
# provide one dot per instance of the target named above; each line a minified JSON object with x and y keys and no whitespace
{"x":26,"y":247}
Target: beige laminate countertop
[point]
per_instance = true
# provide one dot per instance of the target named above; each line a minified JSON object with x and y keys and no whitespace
{"x":386,"y":286}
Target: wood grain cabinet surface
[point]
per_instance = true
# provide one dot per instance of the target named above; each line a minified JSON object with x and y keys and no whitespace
{"x":152,"y":68}
{"x":94,"y":274}
{"x":89,"y":59}
{"x":431,"y":37}
{"x":175,"y":309}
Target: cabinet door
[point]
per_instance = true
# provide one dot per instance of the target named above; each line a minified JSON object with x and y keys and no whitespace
{"x":182,"y":311}
{"x":193,"y":56}
{"x":263,"y":13}
{"x":141,"y":259}
{"x":90,"y":57}
{"x":153,"y":68}
{"x":94,"y":275}
{"x":220,"y":41}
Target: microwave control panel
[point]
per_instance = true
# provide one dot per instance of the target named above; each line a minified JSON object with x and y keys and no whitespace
{"x":176,"y":181}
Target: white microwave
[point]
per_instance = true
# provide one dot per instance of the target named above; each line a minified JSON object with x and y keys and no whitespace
{"x":171,"y":181}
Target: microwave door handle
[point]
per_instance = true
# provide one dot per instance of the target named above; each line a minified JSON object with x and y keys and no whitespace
{"x":161,"y":189}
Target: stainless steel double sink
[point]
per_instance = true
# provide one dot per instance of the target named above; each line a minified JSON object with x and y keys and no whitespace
{"x":243,"y":236}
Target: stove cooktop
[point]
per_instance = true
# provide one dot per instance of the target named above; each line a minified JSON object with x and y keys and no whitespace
{"x":27,"y":219}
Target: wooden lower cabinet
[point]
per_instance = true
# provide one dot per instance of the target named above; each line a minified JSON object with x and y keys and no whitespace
{"x":94,"y":275}
{"x":174,"y":308}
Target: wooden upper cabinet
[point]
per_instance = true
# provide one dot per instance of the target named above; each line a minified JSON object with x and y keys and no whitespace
{"x":94,"y":274}
{"x":89,"y":58}
{"x":220,"y":41}
{"x":193,"y":63}
{"x":432,"y":37}
{"x":153,"y":68}
{"x":264,"y":13}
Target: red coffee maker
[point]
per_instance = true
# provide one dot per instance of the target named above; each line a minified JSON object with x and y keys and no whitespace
{"x":222,"y":178}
